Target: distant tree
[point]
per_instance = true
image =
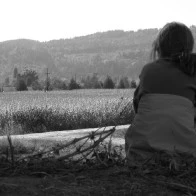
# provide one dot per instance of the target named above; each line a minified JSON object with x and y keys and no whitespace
{"x":15,"y":73}
{"x":58,"y":84}
{"x":21,"y":85}
{"x":133,"y":84}
{"x":48,"y":86}
{"x":108,"y":83}
{"x":73,"y":84}
{"x":7,"y":81}
{"x":95,"y":81}
{"x":29,"y":81}
{"x":41,"y":83}
{"x":37,"y":86}
{"x":126,"y":82}
{"x":121,"y":84}
{"x":29,"y":76}
{"x":101,"y":84}
{"x":86,"y":82}
{"x":91,"y":81}
{"x":14,"y":82}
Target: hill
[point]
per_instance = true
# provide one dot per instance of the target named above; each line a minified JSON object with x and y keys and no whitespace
{"x":114,"y":53}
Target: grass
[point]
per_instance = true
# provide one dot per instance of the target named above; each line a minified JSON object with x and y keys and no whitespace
{"x":88,"y":168}
{"x":81,"y":167}
{"x":103,"y":171}
{"x":33,"y":112}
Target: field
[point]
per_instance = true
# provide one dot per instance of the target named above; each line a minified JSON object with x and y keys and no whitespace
{"x":101,"y":168}
{"x":33,"y":112}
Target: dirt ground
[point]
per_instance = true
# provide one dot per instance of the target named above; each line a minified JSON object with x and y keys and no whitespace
{"x":96,"y":182}
{"x":114,"y":180}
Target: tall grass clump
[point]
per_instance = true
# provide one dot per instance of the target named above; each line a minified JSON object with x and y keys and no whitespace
{"x":33,"y":112}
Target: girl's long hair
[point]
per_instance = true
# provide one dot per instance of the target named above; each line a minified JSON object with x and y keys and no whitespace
{"x":175,"y":42}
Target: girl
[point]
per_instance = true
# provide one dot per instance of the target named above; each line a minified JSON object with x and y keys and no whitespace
{"x":165,"y":98}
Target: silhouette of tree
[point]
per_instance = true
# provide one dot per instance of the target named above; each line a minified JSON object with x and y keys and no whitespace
{"x":15,"y":73}
{"x":121,"y":83}
{"x":73,"y":84}
{"x":108,"y":83}
{"x":29,"y":76}
{"x":133,"y":84}
{"x":21,"y":85}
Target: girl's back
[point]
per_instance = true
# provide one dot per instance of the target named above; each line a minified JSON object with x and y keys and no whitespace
{"x":165,"y":77}
{"x":165,"y":98}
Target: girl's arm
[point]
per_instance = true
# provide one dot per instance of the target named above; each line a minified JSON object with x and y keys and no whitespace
{"x":139,"y":92}
{"x":136,"y":98}
{"x":195,"y":110}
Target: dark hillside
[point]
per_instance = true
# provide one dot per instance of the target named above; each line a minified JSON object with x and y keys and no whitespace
{"x":114,"y":53}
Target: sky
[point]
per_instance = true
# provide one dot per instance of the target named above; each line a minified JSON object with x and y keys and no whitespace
{"x":45,"y":20}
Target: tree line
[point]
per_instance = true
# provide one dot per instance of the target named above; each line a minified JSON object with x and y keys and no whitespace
{"x":29,"y":79}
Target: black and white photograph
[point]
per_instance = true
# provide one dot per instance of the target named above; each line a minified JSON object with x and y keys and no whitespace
{"x":97,"y":98}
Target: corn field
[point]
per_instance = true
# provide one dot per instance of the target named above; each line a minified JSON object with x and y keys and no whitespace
{"x":35,"y":111}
